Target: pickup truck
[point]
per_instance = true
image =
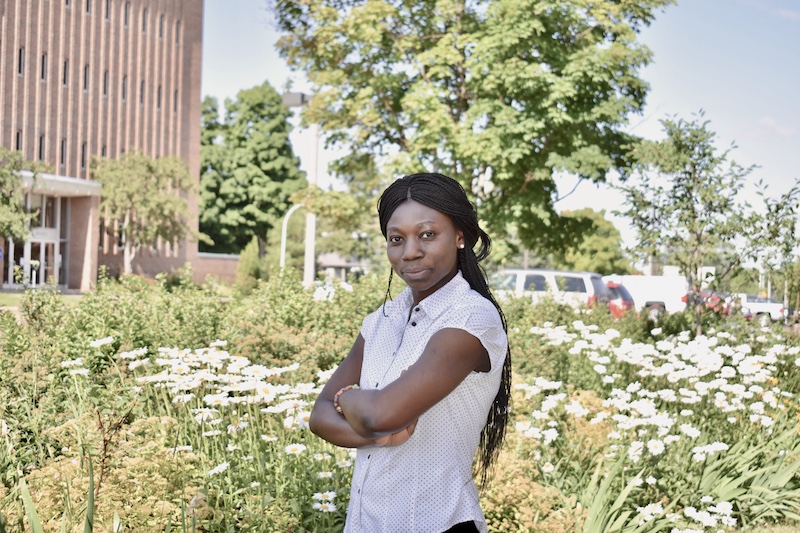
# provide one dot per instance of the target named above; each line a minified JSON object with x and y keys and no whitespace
{"x":763,"y":310}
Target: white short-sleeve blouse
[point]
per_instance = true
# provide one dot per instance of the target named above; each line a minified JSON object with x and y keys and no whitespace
{"x":426,"y":484}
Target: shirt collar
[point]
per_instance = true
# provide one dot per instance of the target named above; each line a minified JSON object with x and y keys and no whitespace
{"x":435,"y":304}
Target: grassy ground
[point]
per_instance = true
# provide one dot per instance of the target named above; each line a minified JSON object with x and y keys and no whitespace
{"x":788,"y":528}
{"x":12,"y":299}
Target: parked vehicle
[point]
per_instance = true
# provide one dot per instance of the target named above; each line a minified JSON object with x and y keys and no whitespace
{"x":571,"y":288}
{"x":763,"y":310}
{"x":654,"y":295}
{"x":620,"y":300}
{"x":719,"y":302}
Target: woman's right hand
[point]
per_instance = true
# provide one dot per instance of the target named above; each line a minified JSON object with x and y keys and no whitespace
{"x":396,"y":439}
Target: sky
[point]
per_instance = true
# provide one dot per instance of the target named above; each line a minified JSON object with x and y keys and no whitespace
{"x":736,"y":60}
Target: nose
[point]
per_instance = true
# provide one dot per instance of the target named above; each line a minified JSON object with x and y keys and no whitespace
{"x":411,"y":250}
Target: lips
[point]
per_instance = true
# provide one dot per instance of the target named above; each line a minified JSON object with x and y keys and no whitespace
{"x":414,"y":273}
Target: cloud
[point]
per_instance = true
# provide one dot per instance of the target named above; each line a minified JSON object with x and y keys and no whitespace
{"x":770,"y":125}
{"x":789,"y":14}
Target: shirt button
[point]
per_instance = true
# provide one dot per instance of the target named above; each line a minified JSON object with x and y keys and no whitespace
{"x":368,"y":456}
{"x":416,"y":309}
{"x":413,"y":323}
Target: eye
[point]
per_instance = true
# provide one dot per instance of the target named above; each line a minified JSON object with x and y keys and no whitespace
{"x":427,"y":234}
{"x":394,"y":239}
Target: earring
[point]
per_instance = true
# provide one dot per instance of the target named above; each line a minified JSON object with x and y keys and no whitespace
{"x":461,"y":246}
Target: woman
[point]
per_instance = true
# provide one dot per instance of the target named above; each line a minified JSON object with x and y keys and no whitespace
{"x":427,"y":380}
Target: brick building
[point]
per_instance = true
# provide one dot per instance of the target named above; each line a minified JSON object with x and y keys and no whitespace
{"x":83,"y":78}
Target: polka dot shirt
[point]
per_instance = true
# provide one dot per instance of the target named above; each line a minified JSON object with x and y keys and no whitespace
{"x":425,"y":485}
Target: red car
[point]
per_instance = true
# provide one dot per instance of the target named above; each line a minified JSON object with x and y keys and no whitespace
{"x":620,"y":301}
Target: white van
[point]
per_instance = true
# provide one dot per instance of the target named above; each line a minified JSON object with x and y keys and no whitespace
{"x":571,"y":288}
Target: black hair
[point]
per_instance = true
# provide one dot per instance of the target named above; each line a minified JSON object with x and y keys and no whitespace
{"x":447,"y":196}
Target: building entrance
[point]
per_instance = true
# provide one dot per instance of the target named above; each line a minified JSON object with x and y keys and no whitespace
{"x":40,"y":259}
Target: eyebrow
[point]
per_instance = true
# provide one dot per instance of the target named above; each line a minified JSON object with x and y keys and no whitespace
{"x":420,"y":224}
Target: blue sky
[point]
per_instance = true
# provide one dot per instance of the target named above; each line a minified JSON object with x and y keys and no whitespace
{"x":738,"y":60}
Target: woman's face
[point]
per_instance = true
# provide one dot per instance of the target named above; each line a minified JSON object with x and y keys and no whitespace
{"x":422,"y":246}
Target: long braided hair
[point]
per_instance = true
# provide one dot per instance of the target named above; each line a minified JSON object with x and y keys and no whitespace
{"x":447,"y":196}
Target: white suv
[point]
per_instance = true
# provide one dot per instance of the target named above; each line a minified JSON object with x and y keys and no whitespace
{"x":571,"y":288}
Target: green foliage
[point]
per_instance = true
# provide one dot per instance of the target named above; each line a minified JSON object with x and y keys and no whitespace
{"x":248,"y":169}
{"x":499,"y":94}
{"x":145,"y":200}
{"x":249,"y":269}
{"x":14,"y":217}
{"x":599,"y":249}
{"x":121,"y":440}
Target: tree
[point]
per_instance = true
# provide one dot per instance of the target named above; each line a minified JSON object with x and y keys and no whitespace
{"x":499,"y":94}
{"x":600,"y":249}
{"x":248,"y":169}
{"x":685,"y":204}
{"x":15,"y":219}
{"x":144,"y":199}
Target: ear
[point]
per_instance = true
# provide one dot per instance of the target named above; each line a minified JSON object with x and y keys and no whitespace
{"x":460,"y":239}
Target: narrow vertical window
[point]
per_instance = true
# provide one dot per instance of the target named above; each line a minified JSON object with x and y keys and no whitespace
{"x":19,"y":140}
{"x":105,"y":83}
{"x":141,"y":93}
{"x":124,"y":88}
{"x":67,"y":3}
{"x":175,"y":102}
{"x":108,"y":9}
{"x":178,"y":32}
{"x":63,"y":156}
{"x":144,"y":20}
{"x":44,"y":67}
{"x":86,"y":77}
{"x":127,"y":15}
{"x":41,"y":147}
{"x":83,"y":156}
{"x":65,"y":74}
{"x":158,"y":98}
{"x":161,"y":27}
{"x":21,"y":62}
{"x":88,"y":7}
{"x":103,"y":151}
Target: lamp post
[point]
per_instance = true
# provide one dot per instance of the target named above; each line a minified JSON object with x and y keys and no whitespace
{"x":283,"y":233}
{"x":296,"y":99}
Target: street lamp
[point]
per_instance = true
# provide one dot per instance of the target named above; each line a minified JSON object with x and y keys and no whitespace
{"x":295,"y":99}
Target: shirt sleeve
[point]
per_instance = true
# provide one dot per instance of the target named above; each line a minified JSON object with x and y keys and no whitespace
{"x":482,"y":321}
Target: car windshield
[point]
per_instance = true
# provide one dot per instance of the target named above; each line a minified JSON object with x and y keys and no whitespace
{"x":503,"y":281}
{"x":619,"y":292}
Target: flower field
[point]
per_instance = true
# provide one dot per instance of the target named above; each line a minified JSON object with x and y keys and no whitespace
{"x":160,"y":407}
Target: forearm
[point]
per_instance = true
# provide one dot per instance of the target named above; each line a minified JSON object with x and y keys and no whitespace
{"x":365,"y":416}
{"x":326,"y":423}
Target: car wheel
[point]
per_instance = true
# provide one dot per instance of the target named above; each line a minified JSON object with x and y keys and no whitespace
{"x":764,"y":320}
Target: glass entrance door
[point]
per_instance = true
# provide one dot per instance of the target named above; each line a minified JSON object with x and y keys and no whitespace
{"x":37,"y":261}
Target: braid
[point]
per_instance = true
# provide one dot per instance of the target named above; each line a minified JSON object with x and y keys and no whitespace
{"x":447,"y":196}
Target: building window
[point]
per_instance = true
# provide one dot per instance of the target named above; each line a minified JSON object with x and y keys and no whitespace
{"x":158,"y":98}
{"x":161,"y":27}
{"x":44,"y":67}
{"x":178,"y":32}
{"x":63,"y":156}
{"x":41,"y":147}
{"x":103,"y":151}
{"x":124,"y":88}
{"x":83,"y":156}
{"x":65,"y":74}
{"x":141,"y":93}
{"x":108,"y":9}
{"x":175,"y":102}
{"x":86,"y":77}
{"x":19,"y":140}
{"x":105,"y":83}
{"x":88,"y":7}
{"x":127,"y":16}
{"x":144,"y":20}
{"x":67,"y":3}
{"x":21,"y":62}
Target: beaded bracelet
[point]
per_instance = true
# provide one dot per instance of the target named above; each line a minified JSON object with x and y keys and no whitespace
{"x":339,"y":395}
